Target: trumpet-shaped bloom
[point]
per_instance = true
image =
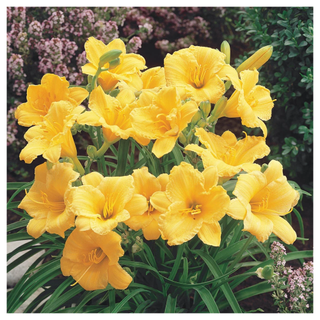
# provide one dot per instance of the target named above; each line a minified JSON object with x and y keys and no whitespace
{"x":52,"y":137}
{"x":40,"y":97}
{"x":147,"y":184}
{"x":92,"y":260}
{"x":102,"y":202}
{"x":228,"y":154}
{"x":262,"y":200}
{"x":128,"y":70}
{"x":251,"y":102}
{"x":162,"y":117}
{"x":192,"y":204}
{"x":110,"y":113}
{"x":47,"y":200}
{"x":198,"y":73}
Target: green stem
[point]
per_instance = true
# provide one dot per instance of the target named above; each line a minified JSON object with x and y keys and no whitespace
{"x":103,"y":149}
{"x":78,"y":165}
{"x":239,"y":255}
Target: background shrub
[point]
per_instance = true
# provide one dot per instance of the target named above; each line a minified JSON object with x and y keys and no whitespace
{"x":289,"y":75}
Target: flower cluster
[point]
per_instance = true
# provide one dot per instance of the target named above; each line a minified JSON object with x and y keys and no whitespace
{"x":293,"y":289}
{"x":163,"y":110}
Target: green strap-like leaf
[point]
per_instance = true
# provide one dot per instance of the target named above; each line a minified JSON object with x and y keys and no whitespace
{"x":214,"y":268}
{"x":170,"y":304}
{"x":207,"y":298}
{"x":121,"y":304}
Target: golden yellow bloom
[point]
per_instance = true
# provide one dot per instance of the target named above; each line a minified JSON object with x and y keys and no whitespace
{"x":162,"y":117}
{"x":147,"y":184}
{"x":128,"y":70}
{"x":228,"y":154}
{"x":47,"y":200}
{"x":40,"y":97}
{"x":92,"y":260}
{"x":251,"y":102}
{"x":101,"y":202}
{"x":262,"y":198}
{"x":192,"y":204}
{"x":52,"y":137}
{"x":198,"y":72}
{"x":113,"y":114}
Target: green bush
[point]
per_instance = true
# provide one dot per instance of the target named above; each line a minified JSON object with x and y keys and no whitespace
{"x":289,"y":74}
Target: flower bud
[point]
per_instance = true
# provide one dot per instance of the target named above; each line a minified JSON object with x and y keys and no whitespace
{"x":114,"y":63}
{"x":265,"y":272}
{"x":109,"y":56}
{"x":182,"y":138}
{"x":91,"y":151}
{"x":205,"y":107}
{"x":218,"y":109}
{"x":225,"y":48}
{"x":196,"y":117}
{"x":258,"y":59}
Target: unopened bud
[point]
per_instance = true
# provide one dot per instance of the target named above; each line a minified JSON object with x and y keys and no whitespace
{"x":265,"y":272}
{"x":91,"y":151}
{"x":205,"y":107}
{"x":258,"y":59}
{"x":218,"y":109}
{"x":114,"y":63}
{"x":109,"y":56}
{"x":225,"y":48}
{"x":196,"y":117}
{"x":182,"y":138}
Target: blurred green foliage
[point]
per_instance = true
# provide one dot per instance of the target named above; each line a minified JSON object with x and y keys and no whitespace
{"x":289,"y":76}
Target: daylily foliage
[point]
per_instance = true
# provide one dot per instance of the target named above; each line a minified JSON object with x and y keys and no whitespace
{"x":170,"y":114}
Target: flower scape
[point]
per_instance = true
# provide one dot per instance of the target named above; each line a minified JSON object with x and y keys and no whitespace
{"x":186,"y":181}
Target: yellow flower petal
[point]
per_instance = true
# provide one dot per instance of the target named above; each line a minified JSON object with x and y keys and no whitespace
{"x":33,"y":149}
{"x":160,"y":201}
{"x":119,"y":278}
{"x":92,"y":178}
{"x":264,"y":103}
{"x":282,"y":229}
{"x":183,"y":181}
{"x":210,"y":234}
{"x":176,"y":226}
{"x":163,"y":146}
{"x":145,"y":183}
{"x":137,"y":205}
{"x":151,"y":231}
{"x":258,"y":225}
{"x":211,"y":177}
{"x":249,"y":185}
{"x":153,"y":78}
{"x":36,"y":227}
{"x":236,"y":210}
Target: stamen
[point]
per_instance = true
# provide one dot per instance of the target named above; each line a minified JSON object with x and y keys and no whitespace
{"x":198,"y":75}
{"x":108,"y":208}
{"x":194,"y":209}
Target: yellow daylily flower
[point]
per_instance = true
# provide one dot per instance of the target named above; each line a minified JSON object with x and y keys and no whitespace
{"x":40,"y":97}
{"x":47,"y":200}
{"x":228,"y":154}
{"x":162,"y":117}
{"x":262,"y":200}
{"x":101,"y":202}
{"x":251,"y":102}
{"x":147,"y":184}
{"x":192,"y":204}
{"x":93,"y":260}
{"x":113,"y":114}
{"x":128,"y":70}
{"x":198,"y":72}
{"x":153,"y":79}
{"x":52,"y":137}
